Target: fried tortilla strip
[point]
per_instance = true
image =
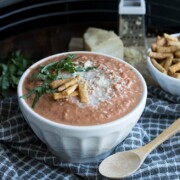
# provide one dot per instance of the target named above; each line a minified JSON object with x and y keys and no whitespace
{"x":57,"y":83}
{"x":174,"y":68}
{"x":69,"y":83}
{"x":177,"y":54}
{"x":176,"y":75}
{"x":158,"y":38}
{"x":83,"y":93}
{"x":162,"y":63}
{"x":156,"y":55}
{"x":59,"y":95}
{"x":168,"y":62}
{"x":161,"y":41}
{"x":176,"y":60}
{"x":174,"y":43}
{"x":154,"y":47}
{"x":166,"y":49}
{"x":169,"y":37}
{"x":158,"y":66}
{"x":70,"y":90}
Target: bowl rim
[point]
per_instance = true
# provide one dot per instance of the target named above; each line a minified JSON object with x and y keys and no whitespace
{"x":74,"y":127}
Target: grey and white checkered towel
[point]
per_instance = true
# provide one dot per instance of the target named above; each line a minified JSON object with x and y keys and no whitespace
{"x":24,"y":156}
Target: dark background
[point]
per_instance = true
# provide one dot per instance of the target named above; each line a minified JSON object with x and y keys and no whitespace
{"x":44,"y":27}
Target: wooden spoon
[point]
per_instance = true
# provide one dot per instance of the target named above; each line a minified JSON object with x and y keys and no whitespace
{"x":123,"y":164}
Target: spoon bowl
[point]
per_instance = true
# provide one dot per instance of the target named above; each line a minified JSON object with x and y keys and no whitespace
{"x":127,"y":162}
{"x":123,"y":164}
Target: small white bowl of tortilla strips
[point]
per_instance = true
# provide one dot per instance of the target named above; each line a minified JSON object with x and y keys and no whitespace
{"x":163,"y":62}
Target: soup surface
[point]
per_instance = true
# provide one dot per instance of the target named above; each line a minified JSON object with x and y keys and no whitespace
{"x":113,"y":90}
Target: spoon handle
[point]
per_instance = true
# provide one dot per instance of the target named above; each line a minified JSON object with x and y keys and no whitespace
{"x":166,"y":134}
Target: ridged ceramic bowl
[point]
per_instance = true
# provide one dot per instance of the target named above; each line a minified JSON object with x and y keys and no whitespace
{"x":81,"y":143}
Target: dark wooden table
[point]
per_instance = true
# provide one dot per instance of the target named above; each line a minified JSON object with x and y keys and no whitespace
{"x":39,"y":43}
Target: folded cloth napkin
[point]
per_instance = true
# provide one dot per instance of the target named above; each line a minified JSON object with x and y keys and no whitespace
{"x":24,"y":156}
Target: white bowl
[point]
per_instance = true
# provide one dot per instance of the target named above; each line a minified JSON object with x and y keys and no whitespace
{"x":168,"y":83}
{"x":81,"y":143}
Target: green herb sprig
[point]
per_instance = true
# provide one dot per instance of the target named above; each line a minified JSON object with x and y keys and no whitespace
{"x":11,"y":72}
{"x":51,"y":72}
{"x":38,"y":91}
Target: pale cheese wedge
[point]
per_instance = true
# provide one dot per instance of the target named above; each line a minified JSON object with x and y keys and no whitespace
{"x":100,"y":40}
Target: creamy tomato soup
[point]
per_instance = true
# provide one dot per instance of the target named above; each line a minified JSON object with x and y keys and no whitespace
{"x":113,"y":90}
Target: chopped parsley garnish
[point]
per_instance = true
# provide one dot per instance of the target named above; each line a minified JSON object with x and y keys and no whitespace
{"x":50,"y":72}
